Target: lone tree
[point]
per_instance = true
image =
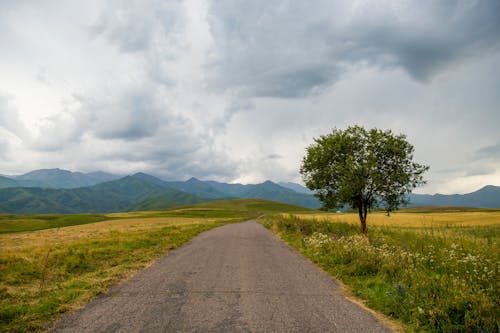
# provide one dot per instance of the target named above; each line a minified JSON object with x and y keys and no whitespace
{"x":362,"y":168}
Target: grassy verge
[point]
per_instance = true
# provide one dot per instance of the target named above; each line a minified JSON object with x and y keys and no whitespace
{"x":45,"y":273}
{"x":18,"y":223}
{"x":436,"y":277}
{"x":50,"y":264}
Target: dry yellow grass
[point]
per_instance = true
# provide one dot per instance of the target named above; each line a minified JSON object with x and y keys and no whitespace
{"x":413,"y":220}
{"x":133,"y":214}
{"x":24,"y":242}
{"x":46,"y":272}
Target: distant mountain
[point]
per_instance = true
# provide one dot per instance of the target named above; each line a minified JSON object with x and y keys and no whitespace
{"x":7,"y":182}
{"x":61,"y":191}
{"x":138,"y":192}
{"x":267,"y":190}
{"x":233,"y":190}
{"x":296,"y":187}
{"x":200,"y":188}
{"x":211,"y":190}
{"x":58,"y":178}
{"x":167,"y":199}
{"x":486,"y":197}
{"x":118,"y":195}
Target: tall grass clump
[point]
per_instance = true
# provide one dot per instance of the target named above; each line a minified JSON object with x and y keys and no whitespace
{"x":433,"y":279}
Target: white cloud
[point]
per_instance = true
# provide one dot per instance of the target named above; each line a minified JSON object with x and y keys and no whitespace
{"x":235,"y":90}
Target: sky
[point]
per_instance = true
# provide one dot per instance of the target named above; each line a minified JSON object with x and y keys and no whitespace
{"x":236,"y":90}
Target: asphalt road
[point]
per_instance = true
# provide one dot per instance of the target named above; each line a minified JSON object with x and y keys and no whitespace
{"x":236,"y":278}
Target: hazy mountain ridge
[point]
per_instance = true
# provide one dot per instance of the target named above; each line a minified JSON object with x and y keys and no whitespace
{"x":296,"y":187}
{"x":57,"y":178}
{"x":117,"y":195}
{"x":137,"y":192}
{"x":486,"y":197}
{"x":142,"y":191}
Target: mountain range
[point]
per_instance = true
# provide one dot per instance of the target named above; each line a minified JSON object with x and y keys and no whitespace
{"x":61,"y":191}
{"x":33,"y":193}
{"x":56,"y":178}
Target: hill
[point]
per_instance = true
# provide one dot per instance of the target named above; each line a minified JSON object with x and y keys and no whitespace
{"x":212,"y":190}
{"x":118,"y":195}
{"x":486,"y":197}
{"x":58,"y":178}
{"x":62,"y":191}
{"x":296,"y":187}
{"x":7,"y":182}
{"x":267,"y":190}
{"x":137,"y":192}
{"x":199,"y":188}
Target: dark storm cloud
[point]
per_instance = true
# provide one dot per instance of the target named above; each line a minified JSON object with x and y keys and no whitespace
{"x":129,"y":115}
{"x":290,"y":49}
{"x":489,"y":152}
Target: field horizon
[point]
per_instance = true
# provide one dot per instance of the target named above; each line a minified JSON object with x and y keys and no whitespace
{"x":92,"y":252}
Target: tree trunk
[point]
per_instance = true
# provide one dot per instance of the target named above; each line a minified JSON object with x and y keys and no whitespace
{"x":362,"y":211}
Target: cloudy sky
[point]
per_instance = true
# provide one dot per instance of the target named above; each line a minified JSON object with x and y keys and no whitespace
{"x":236,"y":90}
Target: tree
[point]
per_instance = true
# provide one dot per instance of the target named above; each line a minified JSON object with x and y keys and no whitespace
{"x":362,"y":168}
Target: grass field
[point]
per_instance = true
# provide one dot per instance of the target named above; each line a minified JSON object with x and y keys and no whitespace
{"x":416,"y":219}
{"x":435,"y":270}
{"x":75,"y":257}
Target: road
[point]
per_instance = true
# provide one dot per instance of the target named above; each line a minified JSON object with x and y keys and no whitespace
{"x":235,"y":278}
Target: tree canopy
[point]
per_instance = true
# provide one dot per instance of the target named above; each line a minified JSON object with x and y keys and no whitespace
{"x":362,"y":168}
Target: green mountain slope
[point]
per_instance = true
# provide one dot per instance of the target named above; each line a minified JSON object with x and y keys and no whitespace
{"x":58,"y":178}
{"x":118,"y":195}
{"x":199,"y":188}
{"x":269,"y":191}
{"x":296,"y":187}
{"x":7,"y":182}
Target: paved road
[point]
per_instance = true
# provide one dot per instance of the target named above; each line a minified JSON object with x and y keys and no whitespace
{"x":236,"y":278}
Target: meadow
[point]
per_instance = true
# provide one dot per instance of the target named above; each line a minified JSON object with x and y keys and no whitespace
{"x":50,"y":264}
{"x":435,"y":270}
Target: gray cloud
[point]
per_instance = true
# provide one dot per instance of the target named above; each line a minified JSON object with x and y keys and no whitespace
{"x":274,"y":156}
{"x":480,"y":171}
{"x":235,"y":90}
{"x":129,"y":115}
{"x":135,"y":26}
{"x":489,"y":152}
{"x":289,"y":49}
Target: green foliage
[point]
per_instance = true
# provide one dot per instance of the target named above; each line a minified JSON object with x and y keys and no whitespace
{"x":361,"y":168}
{"x":434,"y":279}
{"x":17,"y":223}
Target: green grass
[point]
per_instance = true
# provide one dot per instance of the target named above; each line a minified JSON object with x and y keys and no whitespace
{"x":434,"y":279}
{"x":259,"y":206}
{"x":17,"y":223}
{"x":44,"y":273}
{"x":250,"y":208}
{"x":38,"y":285}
